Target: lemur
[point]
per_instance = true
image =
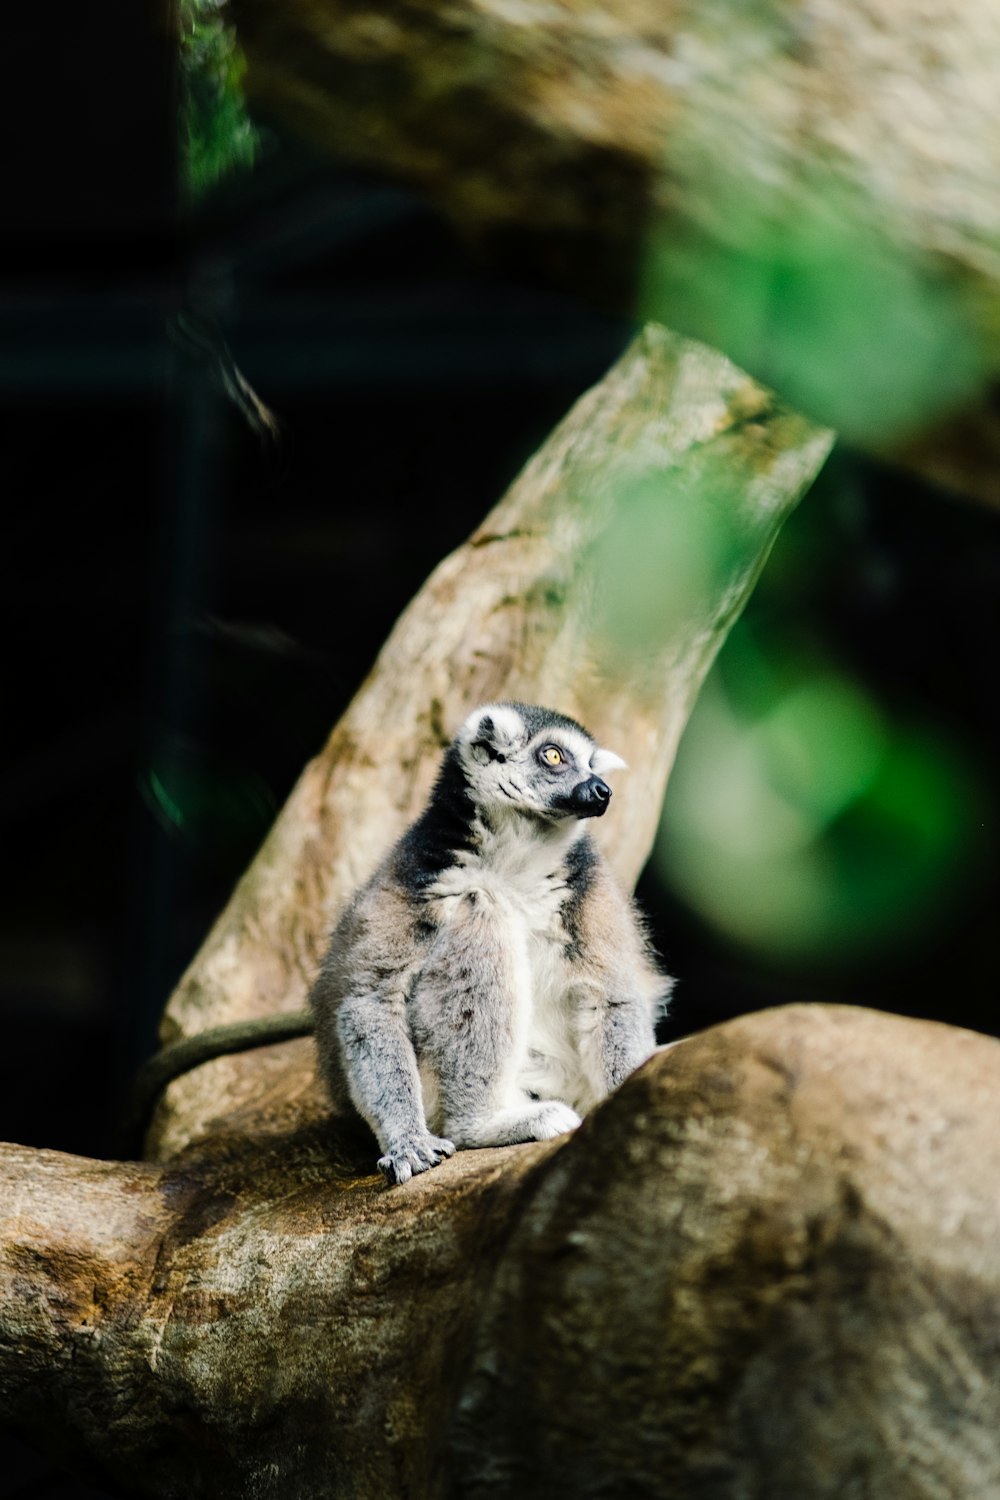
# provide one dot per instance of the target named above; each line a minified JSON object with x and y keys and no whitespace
{"x":491,"y":981}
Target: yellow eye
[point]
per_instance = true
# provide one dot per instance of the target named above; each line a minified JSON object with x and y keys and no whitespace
{"x":552,"y":756}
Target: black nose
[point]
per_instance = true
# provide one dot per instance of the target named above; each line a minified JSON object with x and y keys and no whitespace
{"x":591,"y":798}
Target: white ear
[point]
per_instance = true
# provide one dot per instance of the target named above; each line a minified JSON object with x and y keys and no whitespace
{"x":508,"y":726}
{"x":498,"y":723}
{"x":603,"y":761}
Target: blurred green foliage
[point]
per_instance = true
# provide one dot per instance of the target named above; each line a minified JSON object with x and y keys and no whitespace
{"x":798,"y":289}
{"x":787,"y":256}
{"x":806,"y":823}
{"x":217,"y":135}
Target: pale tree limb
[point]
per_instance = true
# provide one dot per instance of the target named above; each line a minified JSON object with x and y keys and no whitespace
{"x":816,"y":172}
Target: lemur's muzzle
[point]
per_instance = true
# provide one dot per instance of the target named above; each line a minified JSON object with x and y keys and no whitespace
{"x":590,"y":799}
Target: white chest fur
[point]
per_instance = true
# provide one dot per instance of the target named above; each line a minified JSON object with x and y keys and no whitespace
{"x":521,"y":873}
{"x":520,"y":866}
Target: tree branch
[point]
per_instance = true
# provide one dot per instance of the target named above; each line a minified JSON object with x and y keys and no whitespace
{"x":759,"y":1270}
{"x":810,"y":188}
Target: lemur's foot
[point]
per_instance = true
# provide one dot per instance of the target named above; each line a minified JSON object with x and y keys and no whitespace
{"x":404,"y":1159}
{"x":539,"y":1121}
{"x":552,"y":1118}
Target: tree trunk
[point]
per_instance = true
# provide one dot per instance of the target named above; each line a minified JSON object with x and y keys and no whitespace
{"x":811,"y":188}
{"x":766,"y":1267}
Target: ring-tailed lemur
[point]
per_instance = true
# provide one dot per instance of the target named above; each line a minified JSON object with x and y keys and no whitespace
{"x":491,"y":982}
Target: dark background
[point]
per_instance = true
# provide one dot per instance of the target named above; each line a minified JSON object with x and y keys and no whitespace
{"x":187,"y":609}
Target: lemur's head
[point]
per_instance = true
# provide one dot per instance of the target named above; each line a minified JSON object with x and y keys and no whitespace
{"x":533,"y":760}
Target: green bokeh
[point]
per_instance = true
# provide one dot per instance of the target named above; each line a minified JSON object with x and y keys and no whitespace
{"x":798,"y":288}
{"x":670,"y":558}
{"x":804,"y":824}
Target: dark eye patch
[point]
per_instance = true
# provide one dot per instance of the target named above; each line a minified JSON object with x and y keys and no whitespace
{"x":491,"y":751}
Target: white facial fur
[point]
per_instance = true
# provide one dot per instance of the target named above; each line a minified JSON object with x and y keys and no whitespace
{"x":500,"y":759}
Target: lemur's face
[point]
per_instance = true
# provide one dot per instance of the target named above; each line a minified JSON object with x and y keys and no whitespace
{"x":532,"y":760}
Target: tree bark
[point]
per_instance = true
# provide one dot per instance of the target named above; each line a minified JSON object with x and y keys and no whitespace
{"x":814,"y":185}
{"x":766,"y":1269}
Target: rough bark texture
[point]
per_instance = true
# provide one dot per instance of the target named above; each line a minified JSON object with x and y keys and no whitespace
{"x":673,"y":438}
{"x":765,"y":1270}
{"x":562,"y":133}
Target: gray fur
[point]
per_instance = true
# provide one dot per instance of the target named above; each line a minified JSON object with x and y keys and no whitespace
{"x":491,"y":982}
